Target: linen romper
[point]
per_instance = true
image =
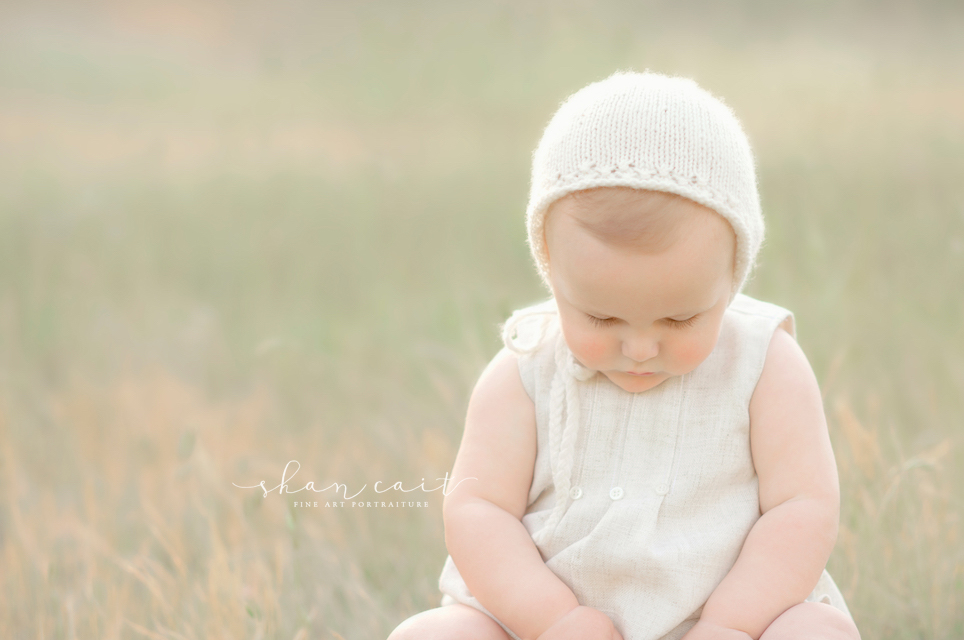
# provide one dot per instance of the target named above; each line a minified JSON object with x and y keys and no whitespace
{"x":642,"y":501}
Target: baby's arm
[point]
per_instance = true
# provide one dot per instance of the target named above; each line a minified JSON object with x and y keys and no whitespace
{"x":788,"y":547}
{"x":490,"y":485}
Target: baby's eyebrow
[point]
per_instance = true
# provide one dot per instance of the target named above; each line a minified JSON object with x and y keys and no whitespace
{"x":601,"y":316}
{"x":688,"y":314}
{"x":596,"y":312}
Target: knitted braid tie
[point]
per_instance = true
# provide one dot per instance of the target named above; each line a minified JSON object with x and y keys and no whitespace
{"x":564,"y":411}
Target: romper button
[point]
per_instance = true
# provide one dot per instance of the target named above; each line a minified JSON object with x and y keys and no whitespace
{"x":616,"y":493}
{"x":575,"y":493}
{"x":662,"y":488}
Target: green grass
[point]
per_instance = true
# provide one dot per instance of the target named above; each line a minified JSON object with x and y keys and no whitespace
{"x":231,"y":237}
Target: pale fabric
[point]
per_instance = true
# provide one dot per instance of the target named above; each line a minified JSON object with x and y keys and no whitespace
{"x":648,"y":131}
{"x":660,"y":488}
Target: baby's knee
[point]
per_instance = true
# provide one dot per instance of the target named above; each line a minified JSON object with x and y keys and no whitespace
{"x":452,"y":622}
{"x":812,"y":621}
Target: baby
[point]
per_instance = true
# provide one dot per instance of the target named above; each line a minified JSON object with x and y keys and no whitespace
{"x":648,"y":457}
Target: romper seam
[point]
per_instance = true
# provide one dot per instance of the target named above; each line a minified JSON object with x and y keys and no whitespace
{"x":577,"y":470}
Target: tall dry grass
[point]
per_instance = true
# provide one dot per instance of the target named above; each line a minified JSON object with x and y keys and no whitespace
{"x":237,"y":235}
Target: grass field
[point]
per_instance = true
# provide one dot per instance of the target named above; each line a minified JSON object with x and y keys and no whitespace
{"x":234,"y":235}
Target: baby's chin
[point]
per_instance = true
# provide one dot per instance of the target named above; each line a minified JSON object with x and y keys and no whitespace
{"x":636,"y":384}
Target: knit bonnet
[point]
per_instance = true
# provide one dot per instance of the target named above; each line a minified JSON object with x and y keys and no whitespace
{"x":648,"y":131}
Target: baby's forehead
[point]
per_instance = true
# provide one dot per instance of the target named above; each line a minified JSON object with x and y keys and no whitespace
{"x":648,"y":220}
{"x":613,"y":281}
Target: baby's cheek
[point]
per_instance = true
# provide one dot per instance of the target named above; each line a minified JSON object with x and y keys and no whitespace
{"x":691,"y":353}
{"x":589,"y":350}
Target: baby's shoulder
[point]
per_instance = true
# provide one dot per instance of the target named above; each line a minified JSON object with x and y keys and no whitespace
{"x":500,"y":376}
{"x":499,"y":397}
{"x":786,"y":377}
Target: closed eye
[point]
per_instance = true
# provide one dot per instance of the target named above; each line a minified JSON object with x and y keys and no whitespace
{"x":679,"y":324}
{"x":601,"y":322}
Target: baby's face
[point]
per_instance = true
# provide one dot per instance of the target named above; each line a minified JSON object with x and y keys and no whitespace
{"x":638,"y":312}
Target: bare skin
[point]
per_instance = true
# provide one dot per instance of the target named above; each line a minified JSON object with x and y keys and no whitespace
{"x":641,"y":315}
{"x":461,"y":622}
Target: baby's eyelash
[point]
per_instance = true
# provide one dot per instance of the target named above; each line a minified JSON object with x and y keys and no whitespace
{"x":601,"y":322}
{"x":679,"y":324}
{"x":676,"y":324}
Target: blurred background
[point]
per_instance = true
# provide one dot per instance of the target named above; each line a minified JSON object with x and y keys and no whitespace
{"x":234,"y":234}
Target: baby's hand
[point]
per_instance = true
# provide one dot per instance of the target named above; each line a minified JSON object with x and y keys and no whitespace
{"x":708,"y":631}
{"x":582,"y":623}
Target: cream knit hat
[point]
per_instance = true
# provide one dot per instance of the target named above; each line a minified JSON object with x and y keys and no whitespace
{"x":648,"y":131}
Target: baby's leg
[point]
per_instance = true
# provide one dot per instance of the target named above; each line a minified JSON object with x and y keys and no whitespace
{"x":812,"y":621}
{"x":452,"y":622}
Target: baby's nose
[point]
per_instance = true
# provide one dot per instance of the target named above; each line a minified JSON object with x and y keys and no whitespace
{"x":640,"y":348}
